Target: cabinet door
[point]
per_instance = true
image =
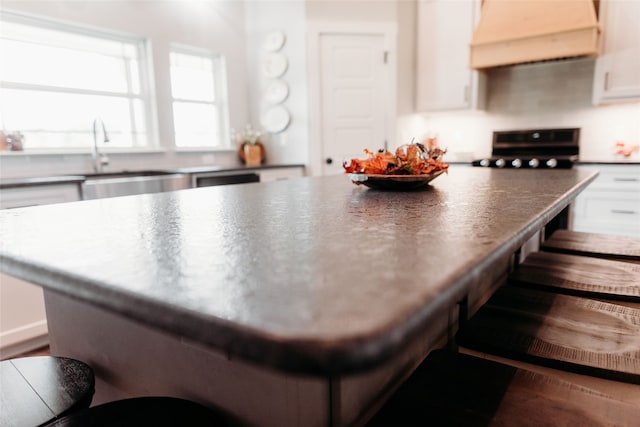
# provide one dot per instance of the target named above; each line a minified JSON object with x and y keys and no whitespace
{"x":611,"y":204}
{"x":38,"y":195}
{"x":279,"y":174}
{"x":445,"y":80}
{"x":617,"y":73}
{"x":23,"y":320}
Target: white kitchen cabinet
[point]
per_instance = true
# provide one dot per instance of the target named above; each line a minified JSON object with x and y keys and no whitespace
{"x":33,"y":195}
{"x":23,"y":320}
{"x":611,"y":204}
{"x":617,"y":71}
{"x":444,"y":79}
{"x":277,"y":174}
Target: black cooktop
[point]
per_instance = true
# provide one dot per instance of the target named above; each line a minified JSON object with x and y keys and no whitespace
{"x":533,"y":148}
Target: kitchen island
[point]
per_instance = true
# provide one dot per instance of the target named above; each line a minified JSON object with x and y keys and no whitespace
{"x":299,"y":302}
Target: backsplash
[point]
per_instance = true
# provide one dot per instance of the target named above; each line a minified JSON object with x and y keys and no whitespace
{"x":544,"y":95}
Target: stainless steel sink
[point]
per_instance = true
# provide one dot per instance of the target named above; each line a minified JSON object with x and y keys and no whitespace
{"x":102,"y":185}
{"x":127,"y":174}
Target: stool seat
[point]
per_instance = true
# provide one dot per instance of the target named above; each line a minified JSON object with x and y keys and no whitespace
{"x":579,"y":275}
{"x":454,"y":389}
{"x":36,"y":390}
{"x":577,"y":334}
{"x":144,"y":411}
{"x":593,"y":244}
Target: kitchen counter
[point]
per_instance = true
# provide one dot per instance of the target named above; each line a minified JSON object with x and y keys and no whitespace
{"x":44,"y":180}
{"x":79,"y":178}
{"x":609,"y":162}
{"x":315,"y":276}
{"x":239,"y":168}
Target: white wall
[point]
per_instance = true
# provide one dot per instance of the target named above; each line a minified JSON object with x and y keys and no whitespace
{"x":541,"y":95}
{"x":218,"y":26}
{"x":262,"y":17}
{"x":544,"y":95}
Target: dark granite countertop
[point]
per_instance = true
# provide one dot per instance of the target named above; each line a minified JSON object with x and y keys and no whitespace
{"x":239,"y":168}
{"x":314,"y":275}
{"x":78,"y":178}
{"x":610,"y":162}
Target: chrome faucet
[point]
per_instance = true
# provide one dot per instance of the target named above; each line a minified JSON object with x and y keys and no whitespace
{"x":99,"y":160}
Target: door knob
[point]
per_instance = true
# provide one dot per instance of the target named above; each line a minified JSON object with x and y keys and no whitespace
{"x":328,"y":160}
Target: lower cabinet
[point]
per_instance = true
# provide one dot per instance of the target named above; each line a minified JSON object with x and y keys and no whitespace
{"x":23,"y":320}
{"x":206,"y":179}
{"x":277,"y":174}
{"x":611,"y":204}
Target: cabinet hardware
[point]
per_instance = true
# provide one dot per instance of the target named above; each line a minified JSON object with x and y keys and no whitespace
{"x":626,"y":179}
{"x":623,"y":211}
{"x":466,"y":93}
{"x":606,"y":81}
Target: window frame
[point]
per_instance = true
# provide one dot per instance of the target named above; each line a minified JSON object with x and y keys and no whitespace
{"x":146,"y":94}
{"x":221,"y":100}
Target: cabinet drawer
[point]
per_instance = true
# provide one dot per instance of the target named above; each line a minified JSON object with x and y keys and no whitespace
{"x":608,"y":212}
{"x":277,"y":174}
{"x":38,"y":195}
{"x":620,"y":181}
{"x":608,"y":205}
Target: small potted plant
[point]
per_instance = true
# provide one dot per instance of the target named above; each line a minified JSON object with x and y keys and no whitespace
{"x":251,"y":149}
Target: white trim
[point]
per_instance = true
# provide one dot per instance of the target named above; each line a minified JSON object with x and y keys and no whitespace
{"x":220,"y":84}
{"x":145,"y":73}
{"x":23,"y":333}
{"x":389,"y":31}
{"x":82,"y":151}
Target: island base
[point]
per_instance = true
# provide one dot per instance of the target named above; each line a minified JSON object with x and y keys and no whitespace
{"x":131,"y":359}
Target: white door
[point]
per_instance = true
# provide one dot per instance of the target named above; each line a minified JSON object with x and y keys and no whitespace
{"x":353,"y":88}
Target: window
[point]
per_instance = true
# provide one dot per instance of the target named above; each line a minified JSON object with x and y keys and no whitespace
{"x":200,"y":116}
{"x":56,"y":79}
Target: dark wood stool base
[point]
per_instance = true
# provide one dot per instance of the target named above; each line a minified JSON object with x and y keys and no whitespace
{"x":144,"y":411}
{"x":36,"y":390}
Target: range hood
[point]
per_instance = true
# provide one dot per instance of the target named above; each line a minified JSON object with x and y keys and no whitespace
{"x":519,"y":31}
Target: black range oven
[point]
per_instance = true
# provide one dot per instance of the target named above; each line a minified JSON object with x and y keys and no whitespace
{"x":535,"y":148}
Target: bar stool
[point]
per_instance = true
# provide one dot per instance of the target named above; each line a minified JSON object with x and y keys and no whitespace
{"x":620,"y":248}
{"x":454,"y":389}
{"x":36,"y":390}
{"x":144,"y":411}
{"x":579,"y":275}
{"x":576,"y":334}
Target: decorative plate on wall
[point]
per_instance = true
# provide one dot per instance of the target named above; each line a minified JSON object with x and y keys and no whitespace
{"x":275,"y":119}
{"x":274,"y":65}
{"x":276,"y":92}
{"x":274,"y":41}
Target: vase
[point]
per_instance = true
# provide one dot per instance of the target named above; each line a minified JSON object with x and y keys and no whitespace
{"x":252,"y":154}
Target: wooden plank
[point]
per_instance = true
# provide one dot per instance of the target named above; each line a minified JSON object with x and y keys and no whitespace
{"x":579,"y":275}
{"x":36,"y":390}
{"x":20,"y":405}
{"x":560,"y":331}
{"x":543,"y":47}
{"x":621,"y":248}
{"x":63,"y":384}
{"x":457,"y":389}
{"x":511,"y":32}
{"x":511,"y":20}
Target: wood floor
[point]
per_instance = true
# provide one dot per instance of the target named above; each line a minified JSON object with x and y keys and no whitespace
{"x":44,"y":351}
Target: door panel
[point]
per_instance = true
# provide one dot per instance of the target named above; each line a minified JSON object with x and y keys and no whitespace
{"x":353,"y":83}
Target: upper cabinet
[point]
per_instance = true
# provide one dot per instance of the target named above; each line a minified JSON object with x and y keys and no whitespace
{"x":617,"y":72}
{"x":445,"y":80}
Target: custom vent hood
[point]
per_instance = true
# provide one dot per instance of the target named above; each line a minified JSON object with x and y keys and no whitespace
{"x":519,"y":31}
